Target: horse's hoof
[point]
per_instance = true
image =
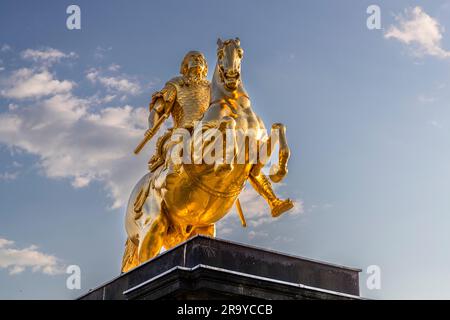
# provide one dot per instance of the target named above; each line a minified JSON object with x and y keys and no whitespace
{"x":278,"y":126}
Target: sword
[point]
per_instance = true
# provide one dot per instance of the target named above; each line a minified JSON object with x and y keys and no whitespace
{"x":151,"y":132}
{"x":241,"y":214}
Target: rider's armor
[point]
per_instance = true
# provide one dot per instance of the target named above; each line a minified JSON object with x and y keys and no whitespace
{"x":191,"y":101}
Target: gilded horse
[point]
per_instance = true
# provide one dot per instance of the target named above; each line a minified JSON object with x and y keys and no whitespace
{"x":188,"y":199}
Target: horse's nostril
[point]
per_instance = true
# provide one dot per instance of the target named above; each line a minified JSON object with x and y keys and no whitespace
{"x":232,"y":74}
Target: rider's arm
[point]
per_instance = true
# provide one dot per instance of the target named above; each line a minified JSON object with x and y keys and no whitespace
{"x":161,"y":102}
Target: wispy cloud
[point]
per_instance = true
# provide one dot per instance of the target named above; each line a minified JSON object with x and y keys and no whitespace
{"x":120,"y":84}
{"x":100,"y":52}
{"x":5,"y":48}
{"x":29,"y":83}
{"x":8,"y":176}
{"x":257,"y":234}
{"x":435,"y":124}
{"x":426,"y":99}
{"x":420,"y":31}
{"x":17,"y":260}
{"x":114,"y":67}
{"x":46,"y":56}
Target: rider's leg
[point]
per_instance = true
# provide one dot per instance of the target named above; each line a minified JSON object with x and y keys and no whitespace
{"x":151,"y":243}
{"x":263,"y":186}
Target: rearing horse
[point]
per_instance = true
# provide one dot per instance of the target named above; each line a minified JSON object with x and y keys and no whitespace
{"x":183,"y":200}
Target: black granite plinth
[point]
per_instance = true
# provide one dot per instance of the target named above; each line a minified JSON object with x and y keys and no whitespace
{"x":206,"y":268}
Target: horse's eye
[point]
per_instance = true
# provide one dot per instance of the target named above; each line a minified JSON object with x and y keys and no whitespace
{"x":220,"y":54}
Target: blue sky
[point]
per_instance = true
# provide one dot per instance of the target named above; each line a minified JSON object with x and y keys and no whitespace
{"x":367,"y":112}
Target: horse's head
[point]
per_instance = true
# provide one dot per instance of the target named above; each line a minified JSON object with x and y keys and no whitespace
{"x":229,"y":56}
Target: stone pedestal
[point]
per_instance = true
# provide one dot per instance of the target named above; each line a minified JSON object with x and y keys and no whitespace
{"x":207,"y":269}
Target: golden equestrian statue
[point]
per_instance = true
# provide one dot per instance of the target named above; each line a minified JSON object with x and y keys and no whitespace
{"x":185,"y":193}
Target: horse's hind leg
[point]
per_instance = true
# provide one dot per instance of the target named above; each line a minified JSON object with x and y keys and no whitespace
{"x":130,"y":257}
{"x":152,"y":241}
{"x":209,"y":231}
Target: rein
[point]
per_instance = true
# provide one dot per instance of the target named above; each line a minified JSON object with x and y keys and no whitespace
{"x":229,"y":101}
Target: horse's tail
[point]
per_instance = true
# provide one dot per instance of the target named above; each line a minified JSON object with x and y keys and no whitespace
{"x":130,"y":256}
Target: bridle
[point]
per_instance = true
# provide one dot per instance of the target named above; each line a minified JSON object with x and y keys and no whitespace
{"x":220,"y":50}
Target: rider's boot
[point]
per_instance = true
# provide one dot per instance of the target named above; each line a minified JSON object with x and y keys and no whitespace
{"x":263,"y":186}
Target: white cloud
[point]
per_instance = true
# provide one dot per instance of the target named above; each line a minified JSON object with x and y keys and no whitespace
{"x":100,"y":52}
{"x":224,"y":231}
{"x":8,"y":176}
{"x":12,"y":106}
{"x":28,"y":83}
{"x":5,"y":243}
{"x":47,"y":56}
{"x":426,"y":99}
{"x":282,"y":239}
{"x":68,"y":134}
{"x":257,"y":234}
{"x":17,"y":260}
{"x":421,"y":31}
{"x":435,"y":124}
{"x":108,"y":98}
{"x":73,"y":142}
{"x":121,"y":84}
{"x":114,"y":67}
{"x":16,"y":164}
{"x":5,"y":48}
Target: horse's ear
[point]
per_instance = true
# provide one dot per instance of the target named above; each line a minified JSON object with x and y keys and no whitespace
{"x":238,"y":41}
{"x":219,"y":42}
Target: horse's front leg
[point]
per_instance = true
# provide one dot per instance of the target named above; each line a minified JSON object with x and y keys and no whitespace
{"x":225,"y":148}
{"x":280,"y":170}
{"x":265,"y":148}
